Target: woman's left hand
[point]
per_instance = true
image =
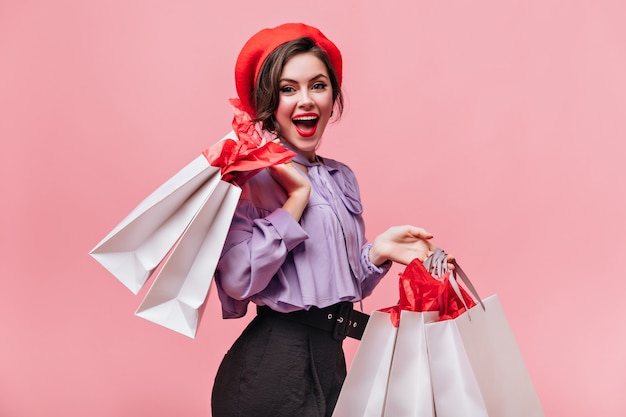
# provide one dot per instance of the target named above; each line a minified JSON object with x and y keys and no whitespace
{"x":402,"y":244}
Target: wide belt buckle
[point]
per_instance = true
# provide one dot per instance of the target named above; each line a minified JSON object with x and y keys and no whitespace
{"x":346,"y":322}
{"x":342,"y":322}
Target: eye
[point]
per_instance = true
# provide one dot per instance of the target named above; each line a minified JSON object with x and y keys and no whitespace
{"x":319,"y":86}
{"x":287,"y":89}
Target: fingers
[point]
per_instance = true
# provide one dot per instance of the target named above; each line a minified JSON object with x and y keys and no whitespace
{"x":420,"y":233}
{"x":450,"y":260}
{"x":290,"y":178}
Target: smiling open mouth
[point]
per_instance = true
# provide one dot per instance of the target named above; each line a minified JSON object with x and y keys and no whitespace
{"x":306,"y":125}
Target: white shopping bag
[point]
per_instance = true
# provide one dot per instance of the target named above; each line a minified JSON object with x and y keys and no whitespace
{"x":363,"y":391}
{"x":409,"y":390}
{"x":136,"y":246}
{"x":182,"y":284}
{"x":469,"y":365}
{"x":181,"y":226}
{"x":476,"y":367}
{"x":179,"y":230}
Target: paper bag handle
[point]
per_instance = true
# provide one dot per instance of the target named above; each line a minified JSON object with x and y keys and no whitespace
{"x":437,"y":263}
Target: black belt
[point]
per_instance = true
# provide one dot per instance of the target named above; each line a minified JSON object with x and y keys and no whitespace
{"x":339,"y":319}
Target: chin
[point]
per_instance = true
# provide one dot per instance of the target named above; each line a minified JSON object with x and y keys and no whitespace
{"x":303,"y":144}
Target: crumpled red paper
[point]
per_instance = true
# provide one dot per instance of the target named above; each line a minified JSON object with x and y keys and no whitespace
{"x":421,"y":291}
{"x":241,"y":159}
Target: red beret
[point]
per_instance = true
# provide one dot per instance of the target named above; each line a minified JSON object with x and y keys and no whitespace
{"x":263,"y":43}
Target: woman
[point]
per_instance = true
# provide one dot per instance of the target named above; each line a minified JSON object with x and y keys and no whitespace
{"x":296,"y":247}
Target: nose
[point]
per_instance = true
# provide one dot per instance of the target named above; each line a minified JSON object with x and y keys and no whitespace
{"x":305,"y":100}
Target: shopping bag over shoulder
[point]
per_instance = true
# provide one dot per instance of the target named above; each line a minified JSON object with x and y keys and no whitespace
{"x":181,"y":286}
{"x":136,"y":246}
{"x":363,"y":391}
{"x":179,"y":230}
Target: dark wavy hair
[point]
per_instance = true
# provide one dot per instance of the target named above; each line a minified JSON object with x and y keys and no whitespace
{"x":266,"y":93}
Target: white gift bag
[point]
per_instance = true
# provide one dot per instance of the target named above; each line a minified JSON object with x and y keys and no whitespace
{"x":467,"y":366}
{"x":179,"y":230}
{"x":181,"y":226}
{"x":477,"y":369}
{"x":136,"y":246}
{"x":182,"y":284}
{"x":363,"y":391}
{"x":409,"y":390}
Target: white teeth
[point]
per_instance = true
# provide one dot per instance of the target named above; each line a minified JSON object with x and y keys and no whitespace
{"x":305,"y":118}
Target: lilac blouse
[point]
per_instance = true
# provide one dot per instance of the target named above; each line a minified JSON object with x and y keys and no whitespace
{"x":273,"y":260}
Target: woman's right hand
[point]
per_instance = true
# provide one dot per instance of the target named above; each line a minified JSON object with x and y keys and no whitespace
{"x":296,"y":186}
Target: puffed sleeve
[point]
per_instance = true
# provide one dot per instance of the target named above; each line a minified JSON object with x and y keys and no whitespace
{"x":255,"y":249}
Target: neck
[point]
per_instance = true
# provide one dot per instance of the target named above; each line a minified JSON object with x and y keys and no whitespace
{"x":310,"y":156}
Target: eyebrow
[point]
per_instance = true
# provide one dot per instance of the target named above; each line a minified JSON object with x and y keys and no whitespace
{"x":320,"y":75}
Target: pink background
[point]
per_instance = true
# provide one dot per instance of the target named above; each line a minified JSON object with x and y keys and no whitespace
{"x":499,"y":126}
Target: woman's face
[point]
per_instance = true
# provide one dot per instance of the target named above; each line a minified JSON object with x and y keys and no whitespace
{"x":305,"y":102}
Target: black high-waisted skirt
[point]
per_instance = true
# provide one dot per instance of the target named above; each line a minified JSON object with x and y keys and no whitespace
{"x":279,"y":368}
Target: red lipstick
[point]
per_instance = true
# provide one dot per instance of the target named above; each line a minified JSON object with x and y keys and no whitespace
{"x":306,"y":124}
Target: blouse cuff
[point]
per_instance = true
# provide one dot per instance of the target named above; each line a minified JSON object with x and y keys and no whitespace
{"x":381,"y":269}
{"x":287,"y":227}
